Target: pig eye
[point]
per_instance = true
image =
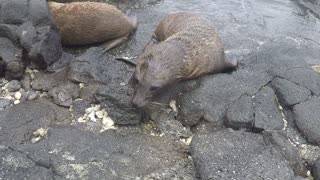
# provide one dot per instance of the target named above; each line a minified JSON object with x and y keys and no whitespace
{"x":154,"y":88}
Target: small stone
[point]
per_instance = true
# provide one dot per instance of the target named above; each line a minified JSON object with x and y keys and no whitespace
{"x":122,"y":84}
{"x":17,"y":95}
{"x":13,"y":86}
{"x":31,"y":95}
{"x":16,"y":102}
{"x":61,"y":97}
{"x":35,"y":140}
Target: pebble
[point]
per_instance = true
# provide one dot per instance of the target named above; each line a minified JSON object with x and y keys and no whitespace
{"x":13,"y":86}
{"x":32,"y":95}
{"x":17,"y":95}
{"x":35,"y":140}
{"x":16,"y":102}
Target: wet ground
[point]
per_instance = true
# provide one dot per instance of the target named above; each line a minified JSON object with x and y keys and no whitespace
{"x":244,"y":25}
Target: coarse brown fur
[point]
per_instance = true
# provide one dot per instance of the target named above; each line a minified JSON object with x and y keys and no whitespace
{"x":83,"y":23}
{"x":184,"y":46}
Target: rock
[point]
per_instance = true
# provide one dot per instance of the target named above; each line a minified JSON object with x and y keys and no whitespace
{"x":16,"y":102}
{"x":17,"y":95}
{"x":166,"y":122}
{"x":23,"y":95}
{"x":18,"y":122}
{"x":116,"y":99}
{"x":2,"y":67}
{"x":48,"y":48}
{"x":94,"y":65}
{"x":32,"y":95}
{"x":27,"y":34}
{"x":231,"y":154}
{"x":267,"y":113}
{"x":11,"y":57}
{"x":26,"y":82}
{"x":79,"y":108}
{"x":241,"y":113}
{"x":288,"y":150}
{"x":4,"y":103}
{"x":63,"y":116}
{"x":304,"y":77}
{"x":64,"y":93}
{"x":14,"y":70}
{"x":307,"y":116}
{"x":316,"y":170}
{"x":61,"y":97}
{"x":17,"y":165}
{"x":115,"y":156}
{"x":14,"y":12}
{"x":88,"y":91}
{"x":62,"y":62}
{"x":39,"y":13}
{"x":210,"y":100}
{"x":10,"y":32}
{"x":114,"y":92}
{"x":289,"y":93}
{"x":47,"y":81}
{"x":13,"y":86}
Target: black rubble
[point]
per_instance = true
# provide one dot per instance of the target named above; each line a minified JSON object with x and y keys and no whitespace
{"x":27,"y":31}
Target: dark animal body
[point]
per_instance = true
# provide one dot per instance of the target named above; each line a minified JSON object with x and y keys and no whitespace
{"x":184,"y":46}
{"x":84,"y":23}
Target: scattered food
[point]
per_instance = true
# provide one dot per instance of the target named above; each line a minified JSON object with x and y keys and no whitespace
{"x":38,"y":134}
{"x":316,"y":68}
{"x":97,"y":115}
